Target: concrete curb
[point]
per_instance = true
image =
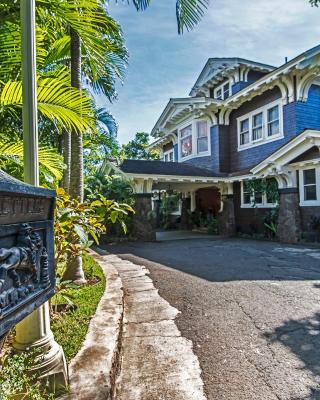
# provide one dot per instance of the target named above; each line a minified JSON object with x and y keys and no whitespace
{"x":93,"y":370}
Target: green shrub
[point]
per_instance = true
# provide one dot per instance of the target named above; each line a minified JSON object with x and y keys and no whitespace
{"x":17,"y":382}
{"x":213,"y":227}
{"x":70,"y":328}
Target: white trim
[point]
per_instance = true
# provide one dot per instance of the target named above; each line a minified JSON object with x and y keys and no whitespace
{"x":252,"y":204}
{"x":303,"y":202}
{"x":289,"y":151}
{"x":194,"y":154}
{"x":265,"y":138}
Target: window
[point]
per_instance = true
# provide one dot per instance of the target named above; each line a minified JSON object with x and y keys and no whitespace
{"x":260,"y":126}
{"x":254,"y":198}
{"x":273,"y":121}
{"x":168,"y":155}
{"x":246,"y":193}
{"x":226,"y":90}
{"x":194,"y":140}
{"x":202,"y":136}
{"x":222,"y":92}
{"x":257,"y":126}
{"x":186,"y":141}
{"x":244,"y":131}
{"x":309,"y":184}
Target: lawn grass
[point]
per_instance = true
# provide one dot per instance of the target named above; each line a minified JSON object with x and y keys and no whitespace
{"x":70,"y":328}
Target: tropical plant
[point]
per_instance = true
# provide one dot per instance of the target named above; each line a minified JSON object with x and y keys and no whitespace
{"x":271,"y":222}
{"x":79,"y":224}
{"x":63,"y":293}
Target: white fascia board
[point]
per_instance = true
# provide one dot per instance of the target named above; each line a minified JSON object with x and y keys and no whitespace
{"x":308,"y":58}
{"x":175,"y":103}
{"x":290,"y":151}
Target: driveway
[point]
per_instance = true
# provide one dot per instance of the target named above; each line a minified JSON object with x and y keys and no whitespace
{"x":252,"y":310}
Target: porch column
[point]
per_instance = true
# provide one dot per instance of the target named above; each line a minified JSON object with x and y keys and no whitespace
{"x":143,"y":228}
{"x":192,"y":201}
{"x":185,"y":213}
{"x":289,"y":220}
{"x":226,"y":218}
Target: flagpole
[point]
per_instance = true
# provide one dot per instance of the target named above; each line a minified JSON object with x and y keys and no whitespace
{"x":34,"y":331}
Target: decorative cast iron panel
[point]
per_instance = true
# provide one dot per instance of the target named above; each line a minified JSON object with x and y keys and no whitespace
{"x":27,"y":277}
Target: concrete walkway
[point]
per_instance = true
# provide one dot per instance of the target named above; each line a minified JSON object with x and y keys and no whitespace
{"x":157,"y":363}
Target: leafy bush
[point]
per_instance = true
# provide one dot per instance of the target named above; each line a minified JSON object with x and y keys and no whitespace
{"x":79,"y":225}
{"x":271,"y":222}
{"x":17,"y":382}
{"x":213,"y":227}
{"x":70,"y":328}
{"x":168,"y":205}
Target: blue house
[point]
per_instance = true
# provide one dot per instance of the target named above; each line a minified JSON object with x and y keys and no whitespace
{"x":244,"y":127}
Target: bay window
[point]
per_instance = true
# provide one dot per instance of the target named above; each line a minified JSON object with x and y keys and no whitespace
{"x":202,"y":136}
{"x":186,"y":141}
{"x":194,"y":139}
{"x":260,"y":126}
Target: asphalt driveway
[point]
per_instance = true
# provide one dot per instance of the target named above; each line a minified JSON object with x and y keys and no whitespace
{"x":252,"y":310}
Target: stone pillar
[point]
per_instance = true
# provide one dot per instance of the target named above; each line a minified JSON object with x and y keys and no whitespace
{"x":289,"y":221}
{"x":142,"y":220}
{"x":185,"y":213}
{"x":226,"y":219}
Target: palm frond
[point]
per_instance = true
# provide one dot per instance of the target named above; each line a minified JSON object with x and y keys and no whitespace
{"x":66,"y":106}
{"x":50,"y":162}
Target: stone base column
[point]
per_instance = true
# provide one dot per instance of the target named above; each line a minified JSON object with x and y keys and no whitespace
{"x":142,"y":224}
{"x":226,"y":219}
{"x":289,"y":221}
{"x":185,"y":214}
{"x":34,"y":332}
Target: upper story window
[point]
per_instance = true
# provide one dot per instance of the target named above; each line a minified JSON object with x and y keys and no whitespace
{"x":223,"y":91}
{"x":309,"y":182}
{"x":260,"y":126}
{"x":186,"y":141}
{"x":194,"y":139}
{"x":202,"y":136}
{"x":168,"y":155}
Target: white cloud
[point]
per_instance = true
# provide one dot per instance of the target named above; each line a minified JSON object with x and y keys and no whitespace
{"x":165,"y":65}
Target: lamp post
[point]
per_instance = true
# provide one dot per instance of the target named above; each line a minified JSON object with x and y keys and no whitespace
{"x":34,"y":331}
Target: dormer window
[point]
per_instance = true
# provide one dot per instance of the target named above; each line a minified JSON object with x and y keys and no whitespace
{"x":168,"y":156}
{"x":222,"y":92}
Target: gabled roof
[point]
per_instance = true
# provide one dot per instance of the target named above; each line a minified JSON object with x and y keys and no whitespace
{"x":217,"y":69}
{"x":176,"y":108}
{"x":155,"y":167}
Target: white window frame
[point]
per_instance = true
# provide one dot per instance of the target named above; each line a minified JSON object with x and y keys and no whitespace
{"x":194,"y":154}
{"x":167,"y":153}
{"x":252,"y":204}
{"x":265,"y":138}
{"x":220,"y":87}
{"x":303,"y":202}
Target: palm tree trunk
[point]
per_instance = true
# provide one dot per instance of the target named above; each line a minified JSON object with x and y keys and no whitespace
{"x":74,"y":270}
{"x":66,"y":153}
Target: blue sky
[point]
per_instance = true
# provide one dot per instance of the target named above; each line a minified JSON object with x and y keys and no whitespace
{"x":163,"y":64}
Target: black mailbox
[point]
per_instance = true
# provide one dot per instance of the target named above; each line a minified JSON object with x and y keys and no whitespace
{"x":27,"y":276}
